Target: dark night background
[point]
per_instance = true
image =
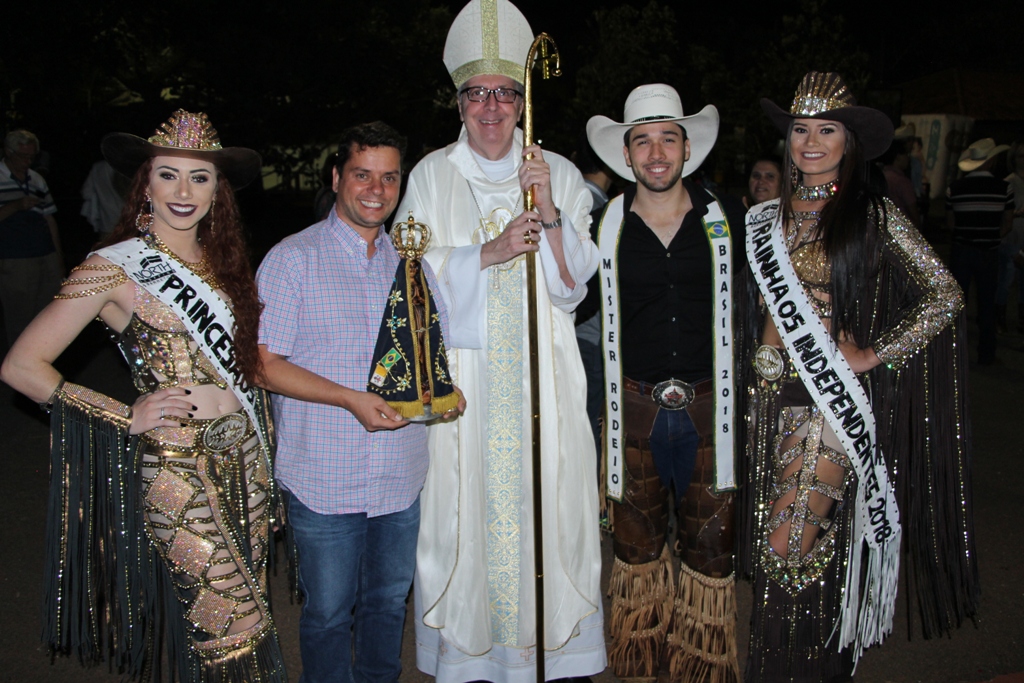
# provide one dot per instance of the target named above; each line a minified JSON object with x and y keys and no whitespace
{"x":286,"y":77}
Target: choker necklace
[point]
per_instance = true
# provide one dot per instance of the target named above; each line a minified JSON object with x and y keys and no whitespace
{"x":201,"y":267}
{"x":818,"y":192}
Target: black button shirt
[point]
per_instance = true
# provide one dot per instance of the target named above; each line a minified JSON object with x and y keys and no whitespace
{"x":665,"y":294}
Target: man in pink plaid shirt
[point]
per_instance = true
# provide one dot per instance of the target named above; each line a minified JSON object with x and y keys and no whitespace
{"x":350,"y":467}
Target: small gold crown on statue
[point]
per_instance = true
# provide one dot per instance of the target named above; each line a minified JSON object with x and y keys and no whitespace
{"x":410,"y":238}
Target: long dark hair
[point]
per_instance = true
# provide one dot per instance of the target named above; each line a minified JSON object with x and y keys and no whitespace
{"x":228,"y":256}
{"x":849,"y":231}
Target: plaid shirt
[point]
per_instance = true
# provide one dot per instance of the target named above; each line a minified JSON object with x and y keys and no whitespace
{"x":324,"y":305}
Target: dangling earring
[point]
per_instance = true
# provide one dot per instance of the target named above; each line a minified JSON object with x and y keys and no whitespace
{"x":213,"y":216}
{"x":794,"y":175}
{"x":144,"y":220}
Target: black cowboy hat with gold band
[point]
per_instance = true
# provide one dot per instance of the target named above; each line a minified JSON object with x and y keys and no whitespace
{"x":825,"y":96}
{"x":183,"y":135}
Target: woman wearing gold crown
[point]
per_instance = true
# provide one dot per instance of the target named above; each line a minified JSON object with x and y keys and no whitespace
{"x":162,"y":507}
{"x":859,"y":444}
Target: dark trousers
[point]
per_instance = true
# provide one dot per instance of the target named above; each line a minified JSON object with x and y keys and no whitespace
{"x":981,"y":265}
{"x":593,"y":366}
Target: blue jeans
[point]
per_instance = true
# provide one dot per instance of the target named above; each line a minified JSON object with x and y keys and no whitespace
{"x":355,"y":573}
{"x":674,"y":442}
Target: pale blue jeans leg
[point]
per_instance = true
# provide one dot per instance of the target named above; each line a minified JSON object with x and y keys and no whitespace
{"x":355,"y":573}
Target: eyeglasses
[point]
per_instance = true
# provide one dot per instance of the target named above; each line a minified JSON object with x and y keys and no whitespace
{"x":480,"y":94}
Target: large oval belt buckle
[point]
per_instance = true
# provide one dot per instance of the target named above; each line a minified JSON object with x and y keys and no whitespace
{"x":224,"y":432}
{"x":672,"y":394}
{"x":769,"y":363}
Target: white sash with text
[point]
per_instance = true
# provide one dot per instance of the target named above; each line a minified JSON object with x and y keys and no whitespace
{"x":866,"y":617}
{"x":201,"y":310}
{"x":717,"y":230}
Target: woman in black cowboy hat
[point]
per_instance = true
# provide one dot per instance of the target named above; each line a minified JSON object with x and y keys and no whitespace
{"x":160,"y":511}
{"x":858,"y":454}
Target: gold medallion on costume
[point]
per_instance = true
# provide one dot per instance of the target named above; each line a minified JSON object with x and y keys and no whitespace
{"x":769,"y":363}
{"x":225,"y":432}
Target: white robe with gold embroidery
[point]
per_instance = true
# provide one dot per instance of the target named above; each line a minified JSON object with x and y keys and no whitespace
{"x":474,"y":565}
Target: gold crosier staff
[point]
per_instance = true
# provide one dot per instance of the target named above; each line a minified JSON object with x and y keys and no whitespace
{"x":544,"y":52}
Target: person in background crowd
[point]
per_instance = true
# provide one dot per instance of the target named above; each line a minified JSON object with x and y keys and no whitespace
{"x":1013,"y":243}
{"x":596,"y":175}
{"x":899,"y":190}
{"x":598,"y":179}
{"x":31,"y":264}
{"x":764,"y":182}
{"x":103,"y":198}
{"x":979,"y":212}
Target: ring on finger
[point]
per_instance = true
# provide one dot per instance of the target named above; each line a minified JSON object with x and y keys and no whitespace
{"x":161,"y":412}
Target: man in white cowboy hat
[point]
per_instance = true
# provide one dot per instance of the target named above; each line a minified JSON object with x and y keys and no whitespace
{"x":979,"y":211}
{"x":475,"y":608}
{"x":666,"y":295}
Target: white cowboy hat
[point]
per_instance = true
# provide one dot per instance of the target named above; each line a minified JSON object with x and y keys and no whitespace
{"x":978,"y":153}
{"x":648,"y":103}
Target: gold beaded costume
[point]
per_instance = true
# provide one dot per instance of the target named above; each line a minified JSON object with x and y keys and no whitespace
{"x":163,"y":536}
{"x":912,"y":316}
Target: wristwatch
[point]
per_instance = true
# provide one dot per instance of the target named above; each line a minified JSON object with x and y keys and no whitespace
{"x":557,"y":223}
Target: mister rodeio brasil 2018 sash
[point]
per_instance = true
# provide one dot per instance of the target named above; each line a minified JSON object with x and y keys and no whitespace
{"x":720,"y":244}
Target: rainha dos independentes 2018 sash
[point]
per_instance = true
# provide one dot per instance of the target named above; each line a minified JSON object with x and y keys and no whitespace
{"x":720,"y":243}
{"x":867,"y":610}
{"x":203,"y":313}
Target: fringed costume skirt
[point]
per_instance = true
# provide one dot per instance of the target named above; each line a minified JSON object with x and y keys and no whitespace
{"x":804,"y":493}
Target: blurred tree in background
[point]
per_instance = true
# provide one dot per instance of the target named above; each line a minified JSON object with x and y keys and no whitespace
{"x":286,"y":78}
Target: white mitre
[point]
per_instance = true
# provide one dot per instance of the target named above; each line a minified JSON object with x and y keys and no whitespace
{"x":488,"y":37}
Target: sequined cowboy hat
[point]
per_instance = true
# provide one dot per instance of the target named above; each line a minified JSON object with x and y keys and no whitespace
{"x":184,"y":135}
{"x":646,"y":104}
{"x":978,"y":153}
{"x":825,"y":96}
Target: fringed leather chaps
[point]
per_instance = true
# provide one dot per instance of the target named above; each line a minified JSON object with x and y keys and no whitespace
{"x":702,"y":633}
{"x":661,"y":631}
